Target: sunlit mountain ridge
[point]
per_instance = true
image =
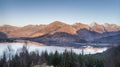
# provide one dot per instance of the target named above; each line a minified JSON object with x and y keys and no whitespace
{"x":60,"y":33}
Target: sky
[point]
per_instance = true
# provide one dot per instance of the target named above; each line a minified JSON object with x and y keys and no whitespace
{"x":24,"y":12}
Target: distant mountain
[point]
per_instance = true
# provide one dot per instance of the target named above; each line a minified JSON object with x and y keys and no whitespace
{"x":79,"y":26}
{"x":16,"y":32}
{"x":26,"y":31}
{"x":54,"y":27}
{"x":111,"y":27}
{"x":7,"y":29}
{"x":59,"y":32}
{"x":98,"y":28}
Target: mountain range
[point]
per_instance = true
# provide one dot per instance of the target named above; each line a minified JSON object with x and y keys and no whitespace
{"x":59,"y":33}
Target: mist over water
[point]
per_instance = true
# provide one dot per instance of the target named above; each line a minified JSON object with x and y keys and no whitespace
{"x":33,"y":47}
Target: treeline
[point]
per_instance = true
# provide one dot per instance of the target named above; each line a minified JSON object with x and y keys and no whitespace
{"x":23,"y":58}
{"x":6,"y":40}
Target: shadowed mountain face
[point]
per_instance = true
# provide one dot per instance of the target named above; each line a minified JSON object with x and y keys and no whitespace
{"x":109,"y":39}
{"x":4,"y":38}
{"x":59,"y":38}
{"x":88,"y":35}
{"x":3,"y":35}
{"x":82,"y":36}
{"x":60,"y":32}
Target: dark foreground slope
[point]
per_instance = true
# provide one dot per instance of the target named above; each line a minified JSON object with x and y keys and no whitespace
{"x":113,"y":57}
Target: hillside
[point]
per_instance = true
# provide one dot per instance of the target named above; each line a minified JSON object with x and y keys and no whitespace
{"x":60,"y":32}
{"x":26,"y":31}
{"x":109,"y":39}
{"x":16,"y":32}
{"x":54,"y":27}
{"x":8,"y":29}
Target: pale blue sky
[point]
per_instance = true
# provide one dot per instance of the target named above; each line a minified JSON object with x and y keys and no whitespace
{"x":24,"y":12}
